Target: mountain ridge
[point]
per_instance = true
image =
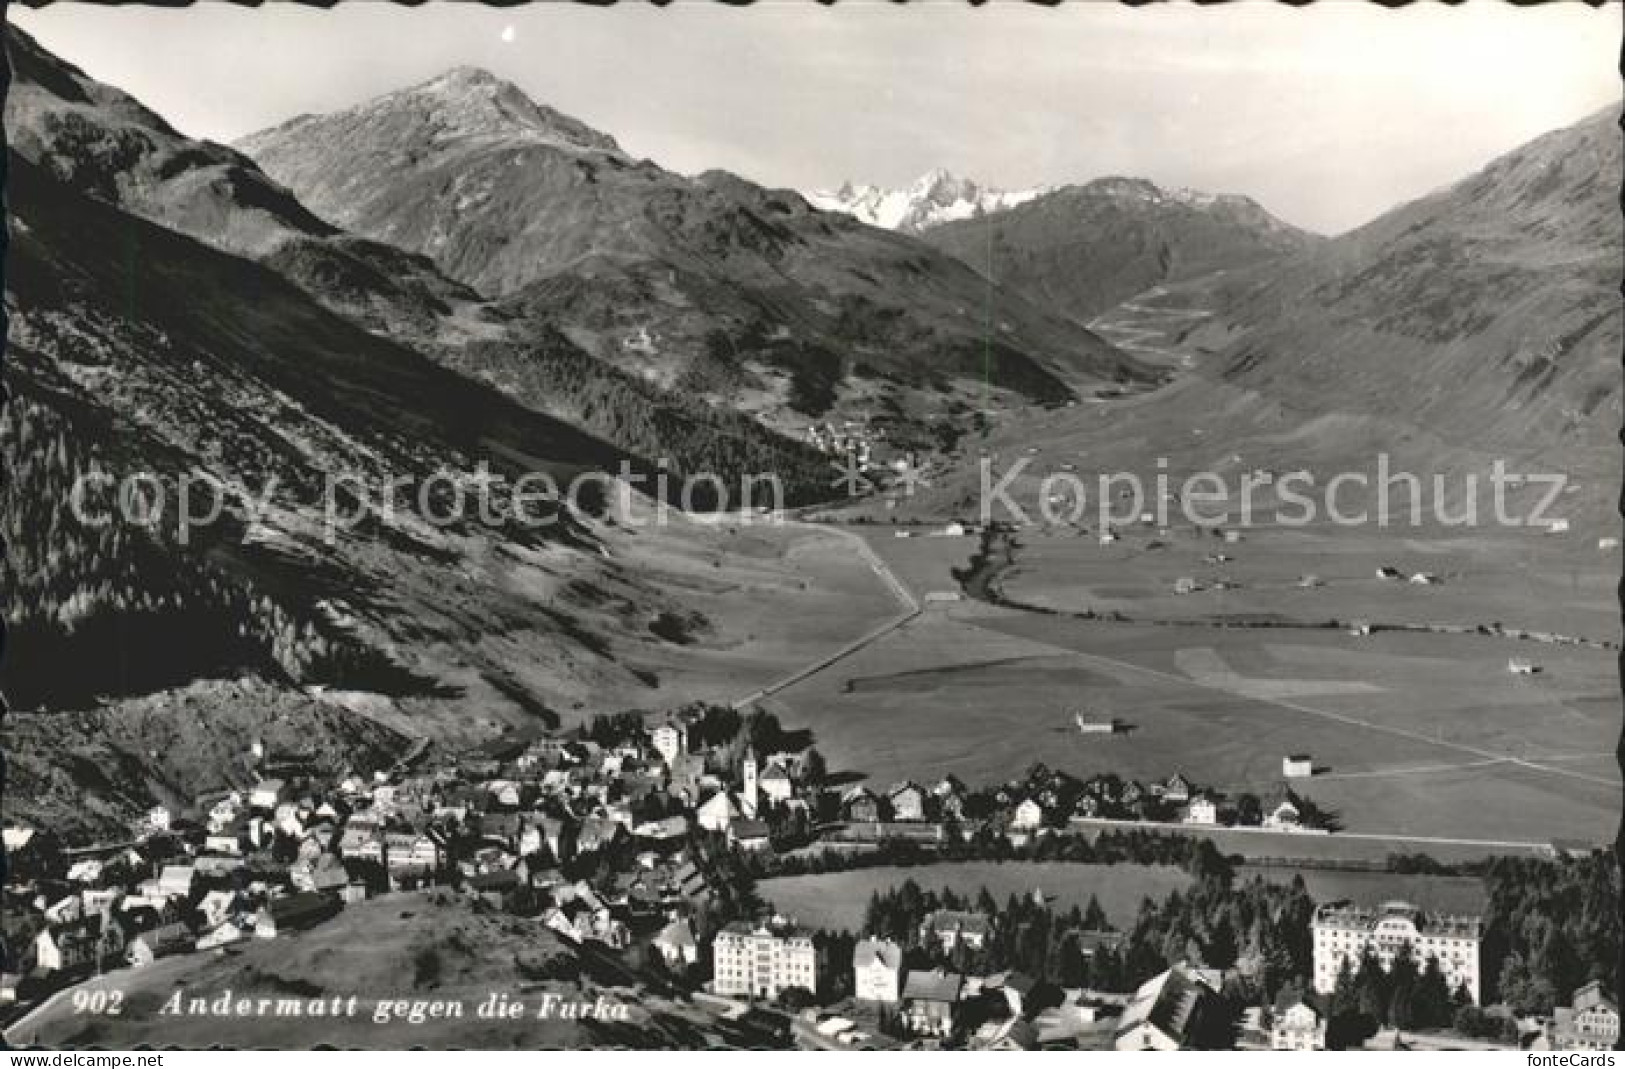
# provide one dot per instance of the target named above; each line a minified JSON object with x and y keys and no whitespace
{"x":936,"y":197}
{"x":713,"y":285}
{"x":99,"y":140}
{"x":1082,"y":249}
{"x":1476,"y":325}
{"x":152,"y":341}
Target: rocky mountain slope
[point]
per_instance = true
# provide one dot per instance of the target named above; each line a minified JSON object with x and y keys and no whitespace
{"x":1478,"y":324}
{"x":98,"y":140}
{"x":156,"y":332}
{"x":934,"y":198}
{"x":711,"y":285}
{"x":1082,"y":249}
{"x":1487,"y":311}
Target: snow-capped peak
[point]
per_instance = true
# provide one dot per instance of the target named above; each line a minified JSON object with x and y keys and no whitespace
{"x":935,"y":197}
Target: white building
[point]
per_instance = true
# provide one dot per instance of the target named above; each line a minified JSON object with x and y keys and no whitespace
{"x":404,"y":851}
{"x":1201,"y":811}
{"x":1591,"y":1023}
{"x":1298,"y":1027}
{"x":266,"y":794}
{"x":1343,"y":931}
{"x":877,"y":969}
{"x":361,"y":844}
{"x":670,"y":740}
{"x":717,"y":812}
{"x":947,"y":928}
{"x":1028,"y":816}
{"x":775,"y":782}
{"x":761,"y":962}
{"x":1297,"y":766}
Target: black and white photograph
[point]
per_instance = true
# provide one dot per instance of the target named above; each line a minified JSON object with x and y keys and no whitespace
{"x":833,"y":527}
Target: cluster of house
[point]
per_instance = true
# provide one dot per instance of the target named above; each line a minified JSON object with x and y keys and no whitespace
{"x":1179,"y":1008}
{"x":1589,"y":1023}
{"x":1045,"y":801}
{"x":1009,"y":1010}
{"x":851,"y":439}
{"x":73,"y":912}
{"x":1178,"y":800}
{"x":597,"y":838}
{"x":503,"y":824}
{"x":1183,"y":1006}
{"x":904,"y":811}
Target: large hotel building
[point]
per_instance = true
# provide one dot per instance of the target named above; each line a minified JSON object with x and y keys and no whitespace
{"x":760,"y":962}
{"x":1343,"y":931}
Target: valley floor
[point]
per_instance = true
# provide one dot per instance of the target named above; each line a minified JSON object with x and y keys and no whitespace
{"x":1415,"y":736}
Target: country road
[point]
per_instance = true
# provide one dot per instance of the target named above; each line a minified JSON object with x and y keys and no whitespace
{"x":895,"y":586}
{"x":1139,"y":328}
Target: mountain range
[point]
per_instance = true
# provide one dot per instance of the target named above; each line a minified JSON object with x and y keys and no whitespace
{"x":454,"y":274}
{"x":934,"y":198}
{"x":708,"y":285}
{"x":1478,"y":324}
{"x":99,"y":141}
{"x":1081,"y":249}
{"x":174,"y":311}
{"x":1486,"y":312}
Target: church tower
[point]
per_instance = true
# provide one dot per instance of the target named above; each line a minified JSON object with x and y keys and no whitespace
{"x":747,"y":797}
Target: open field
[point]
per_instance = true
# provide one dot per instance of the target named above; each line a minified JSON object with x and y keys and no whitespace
{"x":1415,"y":734}
{"x":1436,"y":894}
{"x":925,"y":560}
{"x":1537,"y":583}
{"x":837,"y":900}
{"x":1281,"y":848}
{"x":776,"y":594}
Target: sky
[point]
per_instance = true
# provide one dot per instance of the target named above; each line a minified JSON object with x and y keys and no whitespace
{"x":1327,"y":115}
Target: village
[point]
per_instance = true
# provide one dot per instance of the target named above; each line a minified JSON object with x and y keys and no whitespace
{"x":641,"y":836}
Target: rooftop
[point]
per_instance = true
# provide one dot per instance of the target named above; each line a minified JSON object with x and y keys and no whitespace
{"x":869,"y":951}
{"x":936,"y":986}
{"x":951,"y":919}
{"x":1349,"y":915}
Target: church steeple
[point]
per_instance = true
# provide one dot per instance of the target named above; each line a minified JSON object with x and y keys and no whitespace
{"x":748,"y":770}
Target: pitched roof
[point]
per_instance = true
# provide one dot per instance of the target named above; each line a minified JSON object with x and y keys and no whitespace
{"x":1592,"y":995}
{"x":935,"y":986}
{"x":166,"y":936}
{"x":499,"y":880}
{"x":869,"y":951}
{"x":677,"y":934}
{"x":957,"y":920}
{"x":295,"y":907}
{"x":1166,"y":1002}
